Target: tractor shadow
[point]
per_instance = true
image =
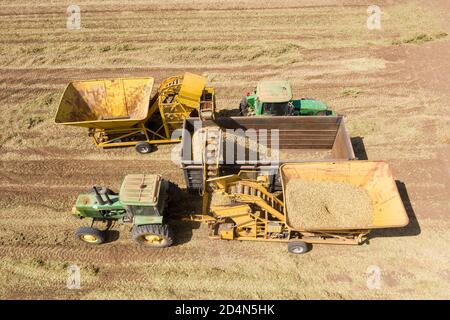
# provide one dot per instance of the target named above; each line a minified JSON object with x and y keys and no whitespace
{"x":411,"y":229}
{"x":183,"y":231}
{"x":189,"y":203}
{"x":358,"y":148}
{"x":111,"y":235}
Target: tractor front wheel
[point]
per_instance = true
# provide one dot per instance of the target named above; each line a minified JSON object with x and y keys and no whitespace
{"x":90,"y":235}
{"x":152,"y":235}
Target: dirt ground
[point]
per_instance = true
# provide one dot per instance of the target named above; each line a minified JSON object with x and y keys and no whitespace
{"x":392,"y":84}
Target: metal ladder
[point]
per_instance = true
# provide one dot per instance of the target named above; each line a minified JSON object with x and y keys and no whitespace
{"x":253,"y":192}
{"x":212,"y":146}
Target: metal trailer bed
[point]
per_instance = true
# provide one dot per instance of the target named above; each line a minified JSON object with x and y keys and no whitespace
{"x":325,"y":134}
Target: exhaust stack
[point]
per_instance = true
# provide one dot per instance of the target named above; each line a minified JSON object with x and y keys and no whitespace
{"x":98,"y":196}
{"x":108,"y":199}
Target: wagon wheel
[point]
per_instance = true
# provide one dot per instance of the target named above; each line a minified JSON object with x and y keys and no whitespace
{"x":143,"y":147}
{"x":298,"y":247}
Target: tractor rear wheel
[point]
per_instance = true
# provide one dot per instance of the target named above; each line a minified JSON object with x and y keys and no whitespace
{"x":143,"y":147}
{"x":90,"y":235}
{"x":152,"y":235}
{"x":298,"y":247}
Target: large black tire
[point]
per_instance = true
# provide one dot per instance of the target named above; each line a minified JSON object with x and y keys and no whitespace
{"x":152,"y":235}
{"x":143,"y":147}
{"x":90,"y":235}
{"x":298,"y":247}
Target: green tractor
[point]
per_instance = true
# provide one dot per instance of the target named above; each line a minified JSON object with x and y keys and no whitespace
{"x":274,"y":98}
{"x":142,"y":202}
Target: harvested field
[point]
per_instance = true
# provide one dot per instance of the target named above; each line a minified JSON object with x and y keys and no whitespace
{"x":392,"y":85}
{"x":313,"y":205}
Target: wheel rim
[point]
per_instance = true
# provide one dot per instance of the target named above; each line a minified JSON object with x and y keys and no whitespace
{"x":89,"y":238}
{"x":152,"y":239}
{"x":298,"y":250}
{"x":145,"y":149}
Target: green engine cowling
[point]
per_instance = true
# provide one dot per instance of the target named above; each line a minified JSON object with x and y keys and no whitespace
{"x":142,"y":200}
{"x":274,"y":98}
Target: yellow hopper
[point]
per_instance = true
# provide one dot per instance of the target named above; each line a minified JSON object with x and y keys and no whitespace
{"x":122,"y":112}
{"x":105,"y":104}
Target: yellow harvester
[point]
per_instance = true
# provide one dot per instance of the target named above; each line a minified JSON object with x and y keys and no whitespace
{"x":240,"y":207}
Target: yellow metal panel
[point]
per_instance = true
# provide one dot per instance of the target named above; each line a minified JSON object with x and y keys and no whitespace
{"x":191,"y":90}
{"x":374,"y":176}
{"x":227,"y":234}
{"x":105,"y":104}
{"x":233,"y":211}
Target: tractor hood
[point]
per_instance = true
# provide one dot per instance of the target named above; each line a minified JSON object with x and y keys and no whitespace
{"x":90,"y":201}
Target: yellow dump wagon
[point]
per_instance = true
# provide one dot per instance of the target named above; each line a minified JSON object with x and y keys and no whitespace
{"x":241,"y":207}
{"x":122,"y":112}
{"x":375,"y":177}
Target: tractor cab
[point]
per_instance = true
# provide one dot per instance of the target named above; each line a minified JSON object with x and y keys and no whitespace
{"x":144,"y":196}
{"x":274,"y":98}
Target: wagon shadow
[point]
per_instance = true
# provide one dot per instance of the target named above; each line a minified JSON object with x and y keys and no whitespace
{"x":358,"y":148}
{"x":228,"y":113}
{"x":410,"y":230}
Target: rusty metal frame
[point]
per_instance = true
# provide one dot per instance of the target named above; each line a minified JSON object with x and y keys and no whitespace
{"x":152,"y":137}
